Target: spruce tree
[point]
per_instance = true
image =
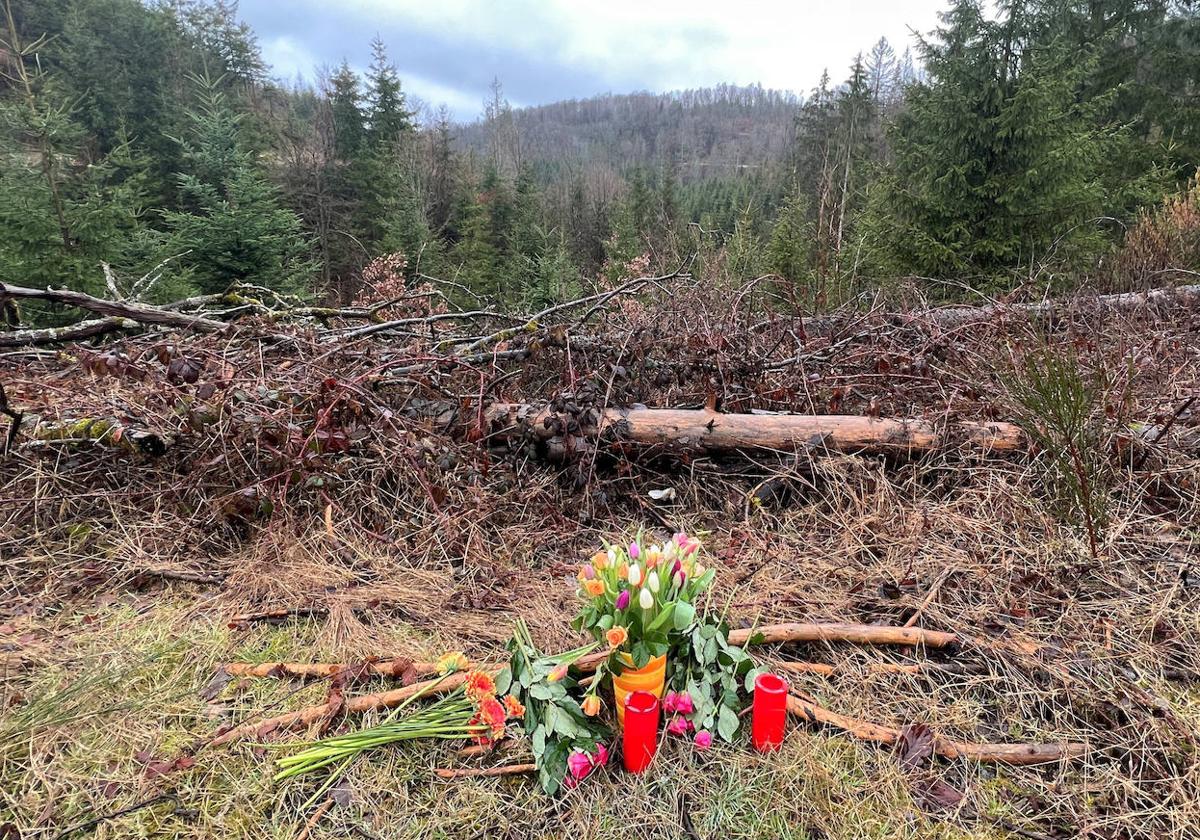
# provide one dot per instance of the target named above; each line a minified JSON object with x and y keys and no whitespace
{"x":231,"y":226}
{"x":997,"y":162}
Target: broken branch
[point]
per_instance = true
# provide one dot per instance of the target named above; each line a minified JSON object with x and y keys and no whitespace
{"x":807,"y":709}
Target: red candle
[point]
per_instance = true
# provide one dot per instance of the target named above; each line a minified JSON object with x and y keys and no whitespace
{"x":770,"y":712}
{"x":641,"y":730}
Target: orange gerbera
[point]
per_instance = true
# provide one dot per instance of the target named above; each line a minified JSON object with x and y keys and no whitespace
{"x":493,"y":713}
{"x":513,"y":706}
{"x":594,"y":587}
{"x":617,"y":636}
{"x":480,"y":685}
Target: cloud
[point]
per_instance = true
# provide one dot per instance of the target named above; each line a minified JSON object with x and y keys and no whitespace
{"x":545,"y":50}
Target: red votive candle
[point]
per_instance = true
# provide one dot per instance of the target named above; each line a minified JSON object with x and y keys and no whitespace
{"x":770,"y":712}
{"x":641,"y":730}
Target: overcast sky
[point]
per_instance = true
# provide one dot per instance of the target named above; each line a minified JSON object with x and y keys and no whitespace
{"x":448,"y":51}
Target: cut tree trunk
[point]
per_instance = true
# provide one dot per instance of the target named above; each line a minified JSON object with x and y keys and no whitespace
{"x":708,"y":431}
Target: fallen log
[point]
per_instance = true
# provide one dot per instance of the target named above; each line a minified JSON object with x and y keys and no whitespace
{"x":36,"y":336}
{"x":97,"y":431}
{"x":769,"y":634}
{"x":140,"y":312}
{"x":709,"y":431}
{"x":960,"y":315}
{"x":807,"y":709}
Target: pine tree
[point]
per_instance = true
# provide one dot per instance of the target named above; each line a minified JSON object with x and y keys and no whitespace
{"x":444,"y":181}
{"x":59,"y":220}
{"x":231,"y":225}
{"x":997,"y":162}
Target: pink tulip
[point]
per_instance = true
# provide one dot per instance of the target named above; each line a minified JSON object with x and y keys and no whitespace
{"x":634,"y":551}
{"x":683,"y":703}
{"x":691,"y":547}
{"x":589,"y":572}
{"x":703,"y":739}
{"x":681,"y":539}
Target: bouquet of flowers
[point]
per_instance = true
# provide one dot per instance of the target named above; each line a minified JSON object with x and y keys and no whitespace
{"x":568,"y":745}
{"x":471,"y":712}
{"x":639,"y":600}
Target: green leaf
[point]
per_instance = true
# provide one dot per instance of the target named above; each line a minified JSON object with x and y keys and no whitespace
{"x":752,"y":676}
{"x":660,"y":620}
{"x":542,"y":691}
{"x":727,"y":723}
{"x":685,"y":614}
{"x":504,"y":681}
{"x":539,"y":741}
{"x":605,"y":622}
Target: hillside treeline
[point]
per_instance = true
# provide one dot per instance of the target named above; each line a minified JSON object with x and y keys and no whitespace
{"x":146,"y":151}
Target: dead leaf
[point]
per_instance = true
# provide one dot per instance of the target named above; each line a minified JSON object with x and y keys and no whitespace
{"x":216,"y":685}
{"x":915,"y":747}
{"x":935,"y":794}
{"x":340,"y":793}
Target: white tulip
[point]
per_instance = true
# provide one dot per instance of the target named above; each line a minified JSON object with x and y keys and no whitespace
{"x":646,"y":599}
{"x":635,"y":574}
{"x":612,"y":557}
{"x":652,"y":582}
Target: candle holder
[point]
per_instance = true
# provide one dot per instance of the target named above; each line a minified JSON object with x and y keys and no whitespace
{"x":641,"y":730}
{"x":770,"y":712}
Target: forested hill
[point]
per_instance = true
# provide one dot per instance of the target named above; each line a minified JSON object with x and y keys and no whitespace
{"x":715,"y":131}
{"x":145,"y":150}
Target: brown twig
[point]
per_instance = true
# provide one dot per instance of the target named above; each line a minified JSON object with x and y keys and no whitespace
{"x":476,"y":772}
{"x":861,"y":633}
{"x":807,"y":709}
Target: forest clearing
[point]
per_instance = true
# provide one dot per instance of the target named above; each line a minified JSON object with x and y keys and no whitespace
{"x":699,"y":459}
{"x":181,"y":505}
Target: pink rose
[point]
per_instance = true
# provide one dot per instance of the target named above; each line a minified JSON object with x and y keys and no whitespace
{"x":703,"y":739}
{"x":683,"y":703}
{"x":579,"y":764}
{"x":670,"y":703}
{"x":679,"y":726}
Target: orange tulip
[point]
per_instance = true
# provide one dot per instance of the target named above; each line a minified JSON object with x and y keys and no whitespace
{"x":591,"y":705}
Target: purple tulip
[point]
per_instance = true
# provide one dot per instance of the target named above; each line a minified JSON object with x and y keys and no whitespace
{"x":623,"y":600}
